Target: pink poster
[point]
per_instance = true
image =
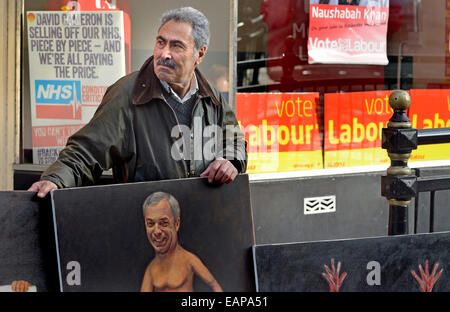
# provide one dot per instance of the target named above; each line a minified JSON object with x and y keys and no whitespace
{"x":287,"y":23}
{"x":348,"y":31}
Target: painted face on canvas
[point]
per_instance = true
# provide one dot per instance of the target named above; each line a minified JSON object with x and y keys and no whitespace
{"x":161,"y":227}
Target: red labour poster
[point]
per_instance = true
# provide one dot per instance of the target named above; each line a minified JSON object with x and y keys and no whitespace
{"x":430,"y":109}
{"x":353,"y":128}
{"x":348,"y":31}
{"x":282,"y":131}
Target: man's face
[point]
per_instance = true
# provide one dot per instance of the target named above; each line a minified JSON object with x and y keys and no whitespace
{"x":175,"y":60}
{"x":161,"y":227}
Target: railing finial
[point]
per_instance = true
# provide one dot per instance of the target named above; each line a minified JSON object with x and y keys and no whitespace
{"x":399,"y":139}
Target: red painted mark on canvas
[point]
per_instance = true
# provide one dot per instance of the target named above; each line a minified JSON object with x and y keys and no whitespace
{"x":332,"y":276}
{"x":427,"y":281}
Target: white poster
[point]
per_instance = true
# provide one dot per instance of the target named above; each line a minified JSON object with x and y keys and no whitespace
{"x":8,"y":288}
{"x":74,"y":57}
{"x":348,"y":32}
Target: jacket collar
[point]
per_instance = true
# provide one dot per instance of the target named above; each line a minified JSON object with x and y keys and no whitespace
{"x":147,"y":86}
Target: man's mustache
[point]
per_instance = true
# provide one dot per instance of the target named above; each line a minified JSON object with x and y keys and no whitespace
{"x":166,"y":62}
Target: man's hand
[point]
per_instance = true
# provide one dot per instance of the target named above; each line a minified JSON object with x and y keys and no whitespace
{"x":42,"y":187}
{"x":220,"y":170}
{"x":20,"y":286}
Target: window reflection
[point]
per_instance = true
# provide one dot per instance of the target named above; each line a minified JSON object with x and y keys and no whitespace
{"x":272,"y":50}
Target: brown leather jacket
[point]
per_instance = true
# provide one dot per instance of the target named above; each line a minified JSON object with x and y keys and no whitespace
{"x":133,"y":133}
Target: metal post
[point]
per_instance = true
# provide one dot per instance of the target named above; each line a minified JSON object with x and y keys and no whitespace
{"x":397,"y":140}
{"x":432,"y":203}
{"x":416,"y":204}
{"x":398,"y":219}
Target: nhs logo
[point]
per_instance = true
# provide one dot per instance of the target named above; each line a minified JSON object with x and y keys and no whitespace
{"x":58,"y":99}
{"x":60,"y":92}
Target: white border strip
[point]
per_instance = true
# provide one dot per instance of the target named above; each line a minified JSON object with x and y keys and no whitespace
{"x":57,"y":245}
{"x":255,"y":268}
{"x":338,"y":171}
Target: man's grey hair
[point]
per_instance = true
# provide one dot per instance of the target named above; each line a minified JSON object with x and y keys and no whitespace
{"x":156,"y":197}
{"x":199,"y":22}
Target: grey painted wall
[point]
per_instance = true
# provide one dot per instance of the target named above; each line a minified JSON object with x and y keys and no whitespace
{"x":279,"y":217}
{"x":361,"y":211}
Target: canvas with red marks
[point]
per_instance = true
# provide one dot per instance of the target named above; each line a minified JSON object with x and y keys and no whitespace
{"x":404,"y":263}
{"x":426,"y":281}
{"x":333,"y":276}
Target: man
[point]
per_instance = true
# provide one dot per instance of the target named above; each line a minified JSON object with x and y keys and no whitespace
{"x":150,"y":124}
{"x":173,"y":267}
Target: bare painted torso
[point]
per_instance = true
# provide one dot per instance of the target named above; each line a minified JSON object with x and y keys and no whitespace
{"x":174,"y":274}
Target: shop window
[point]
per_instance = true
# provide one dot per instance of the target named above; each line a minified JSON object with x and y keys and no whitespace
{"x":350,"y":100}
{"x":115,"y":37}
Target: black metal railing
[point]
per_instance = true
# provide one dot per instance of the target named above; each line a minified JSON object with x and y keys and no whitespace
{"x":400,"y":185}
